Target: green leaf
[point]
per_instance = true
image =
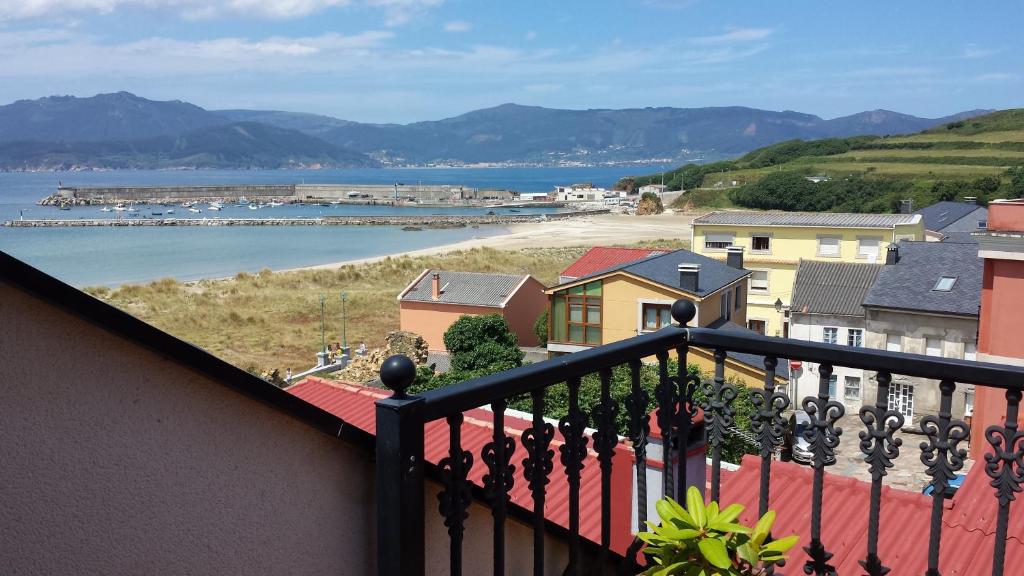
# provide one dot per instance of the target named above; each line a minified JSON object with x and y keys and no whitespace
{"x":681,"y":513}
{"x":782,"y":544}
{"x":714,"y":551}
{"x":711,"y":511}
{"x":729,"y":527}
{"x":695,"y":506}
{"x":731,"y":513}
{"x":763,"y":527}
{"x":748,"y":553}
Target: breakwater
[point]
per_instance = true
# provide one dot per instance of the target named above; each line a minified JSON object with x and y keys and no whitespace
{"x":452,"y":221}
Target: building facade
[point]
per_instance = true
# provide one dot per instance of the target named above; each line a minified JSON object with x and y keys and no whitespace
{"x":776,"y":242}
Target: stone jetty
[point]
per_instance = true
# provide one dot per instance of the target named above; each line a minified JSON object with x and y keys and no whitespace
{"x":446,"y":221}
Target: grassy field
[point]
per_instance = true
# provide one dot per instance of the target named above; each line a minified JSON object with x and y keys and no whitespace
{"x":272,"y":320}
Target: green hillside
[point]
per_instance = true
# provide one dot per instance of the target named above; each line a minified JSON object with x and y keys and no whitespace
{"x":982,"y":156}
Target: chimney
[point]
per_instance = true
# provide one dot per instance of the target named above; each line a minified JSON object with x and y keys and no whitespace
{"x":435,"y":286}
{"x":689,"y":274}
{"x":734,"y":258}
{"x":906,"y":206}
{"x":970,"y":199}
{"x":892,"y":255}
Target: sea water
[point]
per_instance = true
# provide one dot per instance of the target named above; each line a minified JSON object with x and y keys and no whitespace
{"x":118,"y":255}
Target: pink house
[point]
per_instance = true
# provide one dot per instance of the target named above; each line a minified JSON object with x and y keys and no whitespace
{"x":437,"y":298}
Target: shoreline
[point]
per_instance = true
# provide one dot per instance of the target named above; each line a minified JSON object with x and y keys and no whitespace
{"x":605,"y":229}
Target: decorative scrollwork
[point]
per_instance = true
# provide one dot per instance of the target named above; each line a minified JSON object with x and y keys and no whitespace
{"x":454,"y":499}
{"x":495,"y":469}
{"x":539,"y":461}
{"x":819,"y":557}
{"x":767,"y":422}
{"x":667,"y":395}
{"x":718,"y":410}
{"x":574,"y":449}
{"x":1005,"y":464}
{"x":605,"y":437}
{"x":877,"y":443}
{"x":823,"y":434}
{"x":639,"y":420}
{"x":941,"y":453}
{"x":686,"y":391}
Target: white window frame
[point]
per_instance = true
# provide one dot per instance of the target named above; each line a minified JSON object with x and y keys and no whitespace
{"x":839,"y":246}
{"x":767,"y":282}
{"x":970,"y":350}
{"x":708,"y":238}
{"x":901,"y":399}
{"x":640,"y":311}
{"x":860,"y":333}
{"x":767,"y":235}
{"x":835,"y":334}
{"x":878,"y":250}
{"x":952,"y":283}
{"x":763,"y":320}
{"x":860,"y":390}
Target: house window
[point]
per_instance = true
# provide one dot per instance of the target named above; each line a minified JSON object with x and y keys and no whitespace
{"x":945,"y":284}
{"x":982,"y":224}
{"x":657,"y":316}
{"x":894,"y":342}
{"x":867,"y":248}
{"x":933,"y":346}
{"x":832,"y":380}
{"x":576,"y":314}
{"x":759,"y":281}
{"x":969,"y":403}
{"x":970,"y":351}
{"x":830,"y":335}
{"x":851,"y":390}
{"x":828,"y":246}
{"x":901,"y":399}
{"x":726,"y":308}
{"x":738,"y":299}
{"x":761,"y":243}
{"x":855,"y":337}
{"x":759,"y":326}
{"x":717,"y":240}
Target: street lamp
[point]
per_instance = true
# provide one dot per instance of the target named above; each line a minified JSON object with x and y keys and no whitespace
{"x":323,"y":338}
{"x":344,"y":321}
{"x":778,"y":304}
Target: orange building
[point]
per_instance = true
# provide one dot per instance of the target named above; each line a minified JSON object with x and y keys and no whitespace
{"x":1001,"y":317}
{"x":436,"y":299}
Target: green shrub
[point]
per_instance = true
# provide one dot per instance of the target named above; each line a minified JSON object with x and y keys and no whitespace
{"x":540,"y":328}
{"x":705,"y":541}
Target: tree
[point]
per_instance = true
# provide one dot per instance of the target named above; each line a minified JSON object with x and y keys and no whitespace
{"x":540,"y":328}
{"x":650,"y":203}
{"x":482,"y":343}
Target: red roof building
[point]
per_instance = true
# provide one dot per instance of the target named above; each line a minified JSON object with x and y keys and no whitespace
{"x":354,"y":403}
{"x":601,"y":258}
{"x":968,"y":532}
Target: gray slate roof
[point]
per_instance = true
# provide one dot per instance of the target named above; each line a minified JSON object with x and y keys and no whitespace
{"x":943,"y":214}
{"x":664,"y":269}
{"x":782,"y":369}
{"x":821,"y":219}
{"x":471,"y":288}
{"x":832,"y":287}
{"x":908,"y":284}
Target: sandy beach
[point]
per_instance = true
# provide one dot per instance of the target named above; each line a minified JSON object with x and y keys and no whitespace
{"x":603,"y":230}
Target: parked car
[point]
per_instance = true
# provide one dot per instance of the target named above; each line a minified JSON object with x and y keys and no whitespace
{"x":954,"y":485}
{"x":798,"y":448}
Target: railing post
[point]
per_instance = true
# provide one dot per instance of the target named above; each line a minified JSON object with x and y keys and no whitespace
{"x":400,"y":548}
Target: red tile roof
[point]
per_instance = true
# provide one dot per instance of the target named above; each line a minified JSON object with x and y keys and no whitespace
{"x":602,"y":257}
{"x":354,"y":403}
{"x":968,"y":533}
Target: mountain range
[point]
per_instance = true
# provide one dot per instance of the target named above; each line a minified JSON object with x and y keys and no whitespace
{"x":122,"y":130}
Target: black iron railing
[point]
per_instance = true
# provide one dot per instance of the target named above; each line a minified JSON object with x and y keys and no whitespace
{"x":401,"y":420}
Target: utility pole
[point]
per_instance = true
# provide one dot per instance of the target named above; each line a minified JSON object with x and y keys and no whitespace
{"x":323,"y":337}
{"x":344,"y":322}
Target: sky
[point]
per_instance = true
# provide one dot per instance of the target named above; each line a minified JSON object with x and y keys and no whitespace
{"x":412,"y":60}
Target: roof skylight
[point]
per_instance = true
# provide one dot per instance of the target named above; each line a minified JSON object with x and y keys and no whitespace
{"x":945,"y":284}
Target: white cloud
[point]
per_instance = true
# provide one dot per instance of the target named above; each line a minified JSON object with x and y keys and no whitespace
{"x":395,"y":11}
{"x":734,"y":36}
{"x":974,"y":52}
{"x":457,"y":26}
{"x":530,"y":36}
{"x":996,"y":78}
{"x":890,"y":72}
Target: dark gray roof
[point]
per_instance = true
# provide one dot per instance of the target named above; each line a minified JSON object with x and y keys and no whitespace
{"x":472,"y":288}
{"x":664,"y":269}
{"x":832,"y":287}
{"x":942,"y":214}
{"x":959,"y":238}
{"x":781,"y":369}
{"x":822,"y":219}
{"x":908,"y":284}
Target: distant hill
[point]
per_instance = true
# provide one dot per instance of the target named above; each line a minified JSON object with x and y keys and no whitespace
{"x":979,"y":156}
{"x":238,"y":145}
{"x":104,"y":117}
{"x":312,"y":124}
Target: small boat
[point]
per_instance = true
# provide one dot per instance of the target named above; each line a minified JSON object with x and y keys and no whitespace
{"x":105,"y":209}
{"x":335,"y":202}
{"x":119,"y":208}
{"x":275,"y":204}
{"x":64,"y":207}
{"x":171,"y":211}
{"x":214,"y":207}
{"x":253,"y":207}
{"x":514,"y":210}
{"x":195,"y":210}
{"x":157,"y":214}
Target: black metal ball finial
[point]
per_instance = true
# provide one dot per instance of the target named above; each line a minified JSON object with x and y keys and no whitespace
{"x":683,"y":311}
{"x":398,"y":373}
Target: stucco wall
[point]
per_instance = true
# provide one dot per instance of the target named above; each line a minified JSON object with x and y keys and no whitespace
{"x":523,"y":309}
{"x":810,"y":328}
{"x":621,"y":298}
{"x":119,"y":461}
{"x":431,"y":320}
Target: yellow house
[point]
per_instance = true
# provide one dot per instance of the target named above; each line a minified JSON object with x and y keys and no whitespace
{"x":634,"y":298}
{"x":775,"y":242}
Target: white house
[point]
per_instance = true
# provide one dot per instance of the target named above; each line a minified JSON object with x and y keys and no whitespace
{"x":581,"y":193}
{"x":658,"y":189}
{"x":826,"y":307}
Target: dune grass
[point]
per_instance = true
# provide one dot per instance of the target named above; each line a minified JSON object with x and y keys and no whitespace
{"x":272,"y":320}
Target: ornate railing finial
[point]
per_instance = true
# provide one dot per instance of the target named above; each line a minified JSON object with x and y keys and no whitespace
{"x":398,"y":373}
{"x":683,"y":311}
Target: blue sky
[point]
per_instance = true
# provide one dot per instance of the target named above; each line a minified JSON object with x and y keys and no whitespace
{"x":410,"y":60}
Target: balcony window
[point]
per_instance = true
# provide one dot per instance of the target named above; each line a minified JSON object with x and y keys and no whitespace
{"x":830,"y":335}
{"x":901,"y":399}
{"x":828,"y":246}
{"x":576,"y":315}
{"x":867,"y":248}
{"x":717,"y":240}
{"x":759,"y":326}
{"x":759,"y":281}
{"x":855,"y":337}
{"x":656,"y":316}
{"x":851,"y":390}
{"x":761,"y":243}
